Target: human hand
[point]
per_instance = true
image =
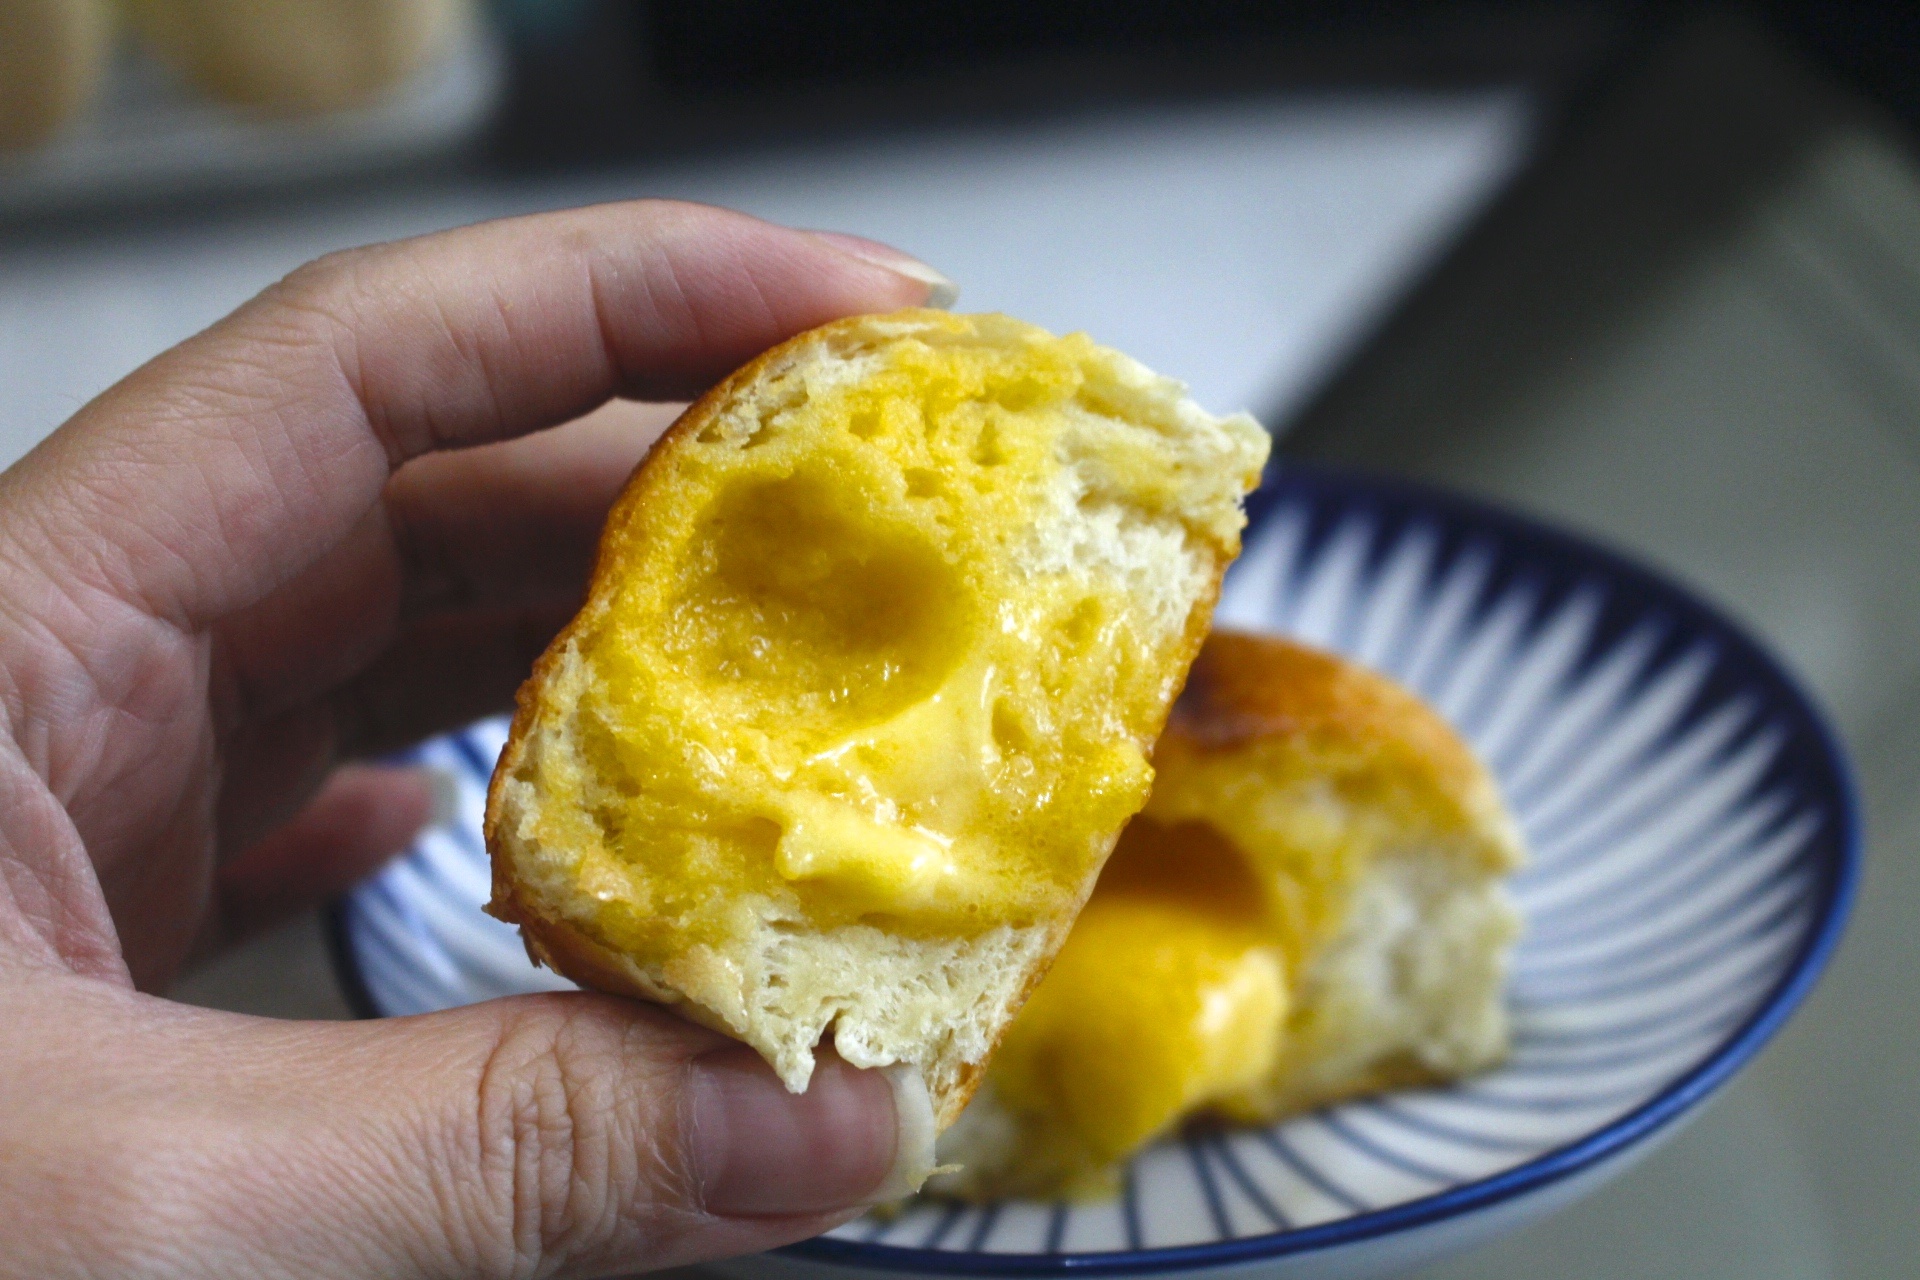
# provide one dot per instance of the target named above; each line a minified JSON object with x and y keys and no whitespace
{"x":254,"y":559}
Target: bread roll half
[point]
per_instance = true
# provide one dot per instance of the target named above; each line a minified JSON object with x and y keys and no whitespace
{"x":1312,"y":905}
{"x":1384,"y":846}
{"x":878,"y":644}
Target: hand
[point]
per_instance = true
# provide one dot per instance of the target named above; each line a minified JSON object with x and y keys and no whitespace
{"x":254,"y":559}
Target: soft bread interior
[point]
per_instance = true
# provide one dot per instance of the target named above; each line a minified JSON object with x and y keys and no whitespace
{"x":1376,"y":848}
{"x":878,"y":644}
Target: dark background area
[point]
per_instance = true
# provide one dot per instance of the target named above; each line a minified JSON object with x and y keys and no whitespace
{"x":638,"y":79}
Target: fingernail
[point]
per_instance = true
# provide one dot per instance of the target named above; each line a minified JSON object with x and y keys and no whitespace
{"x":759,"y":1150}
{"x":941,"y":292}
{"x":914,"y":1132}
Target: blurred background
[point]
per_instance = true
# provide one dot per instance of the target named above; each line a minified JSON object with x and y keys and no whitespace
{"x":1648,"y":270}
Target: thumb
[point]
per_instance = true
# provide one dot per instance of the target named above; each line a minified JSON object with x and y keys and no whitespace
{"x":575,"y":1135}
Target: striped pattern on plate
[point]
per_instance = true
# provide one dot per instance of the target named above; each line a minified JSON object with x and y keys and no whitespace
{"x":1693,"y":838}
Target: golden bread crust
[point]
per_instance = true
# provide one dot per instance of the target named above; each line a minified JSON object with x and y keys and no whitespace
{"x":1244,"y":689}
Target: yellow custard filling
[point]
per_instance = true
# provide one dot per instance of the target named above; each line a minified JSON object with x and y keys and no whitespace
{"x":1169,"y":997}
{"x":1177,"y":991}
{"x":850,"y":672}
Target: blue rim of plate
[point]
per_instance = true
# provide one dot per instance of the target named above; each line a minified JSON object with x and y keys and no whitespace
{"x":1816,"y":759}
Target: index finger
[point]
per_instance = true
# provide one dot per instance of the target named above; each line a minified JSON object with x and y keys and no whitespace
{"x":221,"y":469}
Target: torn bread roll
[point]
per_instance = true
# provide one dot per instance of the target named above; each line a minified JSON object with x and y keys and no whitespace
{"x":875,"y":653}
{"x":53,"y":56}
{"x":299,"y":57}
{"x":1312,"y":905}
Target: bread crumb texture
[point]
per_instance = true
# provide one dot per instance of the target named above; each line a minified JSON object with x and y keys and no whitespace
{"x":1312,"y":905}
{"x":877,"y":647}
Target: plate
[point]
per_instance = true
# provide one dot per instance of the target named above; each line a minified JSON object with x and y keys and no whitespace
{"x":1695,"y":844}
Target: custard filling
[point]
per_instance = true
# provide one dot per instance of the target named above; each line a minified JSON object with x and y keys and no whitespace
{"x":1171,"y":997}
{"x":1178,"y":991}
{"x":848,"y":675}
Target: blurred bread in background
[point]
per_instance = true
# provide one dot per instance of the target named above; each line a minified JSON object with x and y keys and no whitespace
{"x":297,"y":56}
{"x":53,"y":54}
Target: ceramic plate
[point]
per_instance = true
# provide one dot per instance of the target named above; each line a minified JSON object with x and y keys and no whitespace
{"x":1694,"y":842}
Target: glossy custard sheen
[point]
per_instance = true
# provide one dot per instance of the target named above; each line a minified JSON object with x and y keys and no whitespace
{"x":840,"y":668}
{"x":1169,"y":997}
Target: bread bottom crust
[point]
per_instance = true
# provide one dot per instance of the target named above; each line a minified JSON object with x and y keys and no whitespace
{"x":1005,"y":974}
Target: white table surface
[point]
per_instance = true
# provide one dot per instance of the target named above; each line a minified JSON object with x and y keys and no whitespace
{"x":1242,"y":246}
{"x":1239,"y":247}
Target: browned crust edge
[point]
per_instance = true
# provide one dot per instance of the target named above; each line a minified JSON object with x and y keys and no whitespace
{"x":1245,"y":688}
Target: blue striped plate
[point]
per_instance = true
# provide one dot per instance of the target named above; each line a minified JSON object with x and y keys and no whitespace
{"x":1695,"y":844}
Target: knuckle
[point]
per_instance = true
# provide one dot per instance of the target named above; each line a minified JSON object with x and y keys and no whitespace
{"x":328,"y":280}
{"x":564,"y":1137}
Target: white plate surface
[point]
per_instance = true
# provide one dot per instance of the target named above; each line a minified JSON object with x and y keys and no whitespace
{"x":1694,"y":846}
